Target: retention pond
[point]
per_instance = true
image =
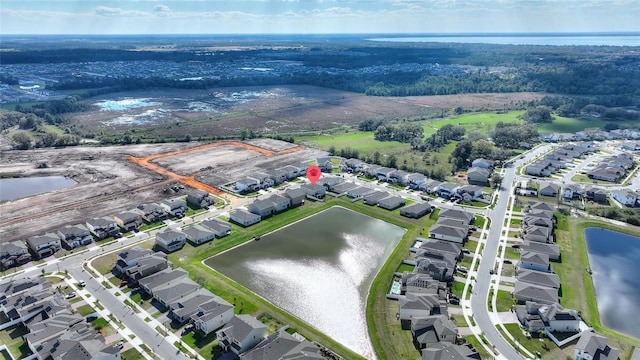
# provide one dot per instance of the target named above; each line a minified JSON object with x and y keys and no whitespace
{"x":17,"y":188}
{"x":613,"y":257}
{"x":318,"y":269}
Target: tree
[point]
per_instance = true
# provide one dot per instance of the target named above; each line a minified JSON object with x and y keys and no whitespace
{"x":332,"y":150}
{"x":22,"y":140}
{"x":539,"y":114}
{"x":49,"y":139}
{"x":461,"y":154}
{"x":495,"y":180}
{"x":392,"y":161}
{"x":481,"y":149}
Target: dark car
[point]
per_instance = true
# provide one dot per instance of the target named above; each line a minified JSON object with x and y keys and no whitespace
{"x":454,"y":301}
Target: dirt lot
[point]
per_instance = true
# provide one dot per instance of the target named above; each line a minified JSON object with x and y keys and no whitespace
{"x":108,"y":182}
{"x":270,"y":109}
{"x":194,"y":161}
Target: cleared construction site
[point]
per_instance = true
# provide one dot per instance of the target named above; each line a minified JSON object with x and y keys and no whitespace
{"x":117,"y":178}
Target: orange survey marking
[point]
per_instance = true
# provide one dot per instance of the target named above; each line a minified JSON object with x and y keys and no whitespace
{"x":190,"y":180}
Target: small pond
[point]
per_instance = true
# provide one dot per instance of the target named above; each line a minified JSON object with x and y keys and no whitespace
{"x":17,"y":188}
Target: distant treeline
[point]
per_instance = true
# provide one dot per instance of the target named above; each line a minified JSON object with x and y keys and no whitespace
{"x":607,"y":76}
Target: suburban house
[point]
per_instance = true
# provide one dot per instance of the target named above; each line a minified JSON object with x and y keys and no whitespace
{"x":151,"y":213}
{"x":212,"y":315}
{"x":435,"y":254}
{"x":73,"y":236}
{"x":447,"y":189}
{"x":537,"y":233}
{"x":358,"y":192}
{"x":199,"y":199}
{"x":353,"y":165}
{"x":416,"y":210}
{"x":541,"y":167}
{"x":14,"y":253}
{"x":182,"y":310}
{"x":529,"y":292}
{"x":248,"y":184}
{"x":282,"y":345}
{"x":130,"y":257}
{"x":473,"y":190}
{"x":606,"y":172}
{"x":625,"y":197}
{"x":478,"y":176}
{"x":269,"y":206}
{"x":325,"y":164}
{"x":553,"y":251}
{"x":241,"y":334}
{"x":383,"y":173}
{"x":412,"y":282}
{"x":171,"y":293}
{"x":549,"y":317}
{"x":482,"y":163}
{"x":166,"y":277}
{"x":416,"y":180}
{"x":448,"y":233}
{"x":128,"y":220}
{"x":198,"y":234}
{"x":531,"y":220}
{"x":441,"y":270}
{"x":430,"y":186}
{"x":548,"y":189}
{"x":314,"y":190}
{"x":371,"y":170}
{"x":176,"y":206}
{"x":342,"y":188}
{"x":45,"y":245}
{"x":103,"y":227}
{"x":170,"y":240}
{"x":596,"y":194}
{"x":243,"y":217}
{"x":293,"y":171}
{"x":594,"y":347}
{"x":430,"y":330}
{"x":391,"y":202}
{"x":457,"y":214}
{"x":218,"y":227}
{"x":534,"y":261}
{"x":399,"y":177}
{"x":538,"y":278}
{"x":296,"y":196}
{"x":147,"y":265}
{"x":443,"y":246}
{"x":374,"y":197}
{"x":420,"y":306}
{"x":449,"y":351}
{"x":571,"y":192}
{"x":264,"y":179}
{"x":278,"y":176}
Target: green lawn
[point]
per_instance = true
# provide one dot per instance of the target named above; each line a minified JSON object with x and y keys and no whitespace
{"x":405,"y":267}
{"x":480,"y":122}
{"x":131,"y":354}
{"x":456,"y":288}
{"x":12,"y":338}
{"x":563,"y":124}
{"x":504,"y":301}
{"x":357,"y":140}
{"x":85,"y":310}
{"x":476,"y":345}
{"x":471,"y":245}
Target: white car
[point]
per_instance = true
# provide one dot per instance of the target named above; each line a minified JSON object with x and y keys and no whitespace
{"x":70,"y":295}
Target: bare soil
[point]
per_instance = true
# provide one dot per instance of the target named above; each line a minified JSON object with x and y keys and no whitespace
{"x":107,"y":182}
{"x":486,"y":100}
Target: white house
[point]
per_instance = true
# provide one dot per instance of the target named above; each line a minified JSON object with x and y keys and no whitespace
{"x":243,"y":217}
{"x":534,"y":261}
{"x":170,"y":240}
{"x":241,"y":333}
{"x":212,"y":315}
{"x":625,"y":197}
{"x":592,"y":346}
{"x":102,"y":227}
{"x":176,"y":206}
{"x":449,"y":233}
{"x":198,"y":234}
{"x":220,"y":228}
{"x":75,"y":235}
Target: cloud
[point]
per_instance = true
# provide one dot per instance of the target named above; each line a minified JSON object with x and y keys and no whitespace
{"x":108,"y":11}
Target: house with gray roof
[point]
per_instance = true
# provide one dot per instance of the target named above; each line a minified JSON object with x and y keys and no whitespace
{"x":269,"y":206}
{"x":537,"y":233}
{"x":399,"y":177}
{"x":282,"y":345}
{"x":353,"y":165}
{"x":447,"y":257}
{"x":241,"y":334}
{"x":538,"y":278}
{"x":218,"y":227}
{"x":314,"y":191}
{"x":534,"y":261}
{"x":173,"y":292}
{"x":384,"y":173}
{"x":182,"y":309}
{"x":198,"y":234}
{"x":153,"y":282}
{"x":482,"y":163}
{"x":170,"y":240}
{"x":552,"y":250}
{"x":596,"y":194}
{"x":416,"y":210}
{"x":175,"y":206}
{"x":473,"y":190}
{"x":420,"y":305}
{"x":416,"y":180}
{"x":448,"y":233}
{"x":430,"y":186}
{"x":128,"y":220}
{"x":529,"y":292}
{"x":130,"y":257}
{"x":45,"y":245}
{"x":626,"y":197}
{"x":250,"y":184}
{"x":198,"y":199}
{"x":343,"y":188}
{"x":531,"y":220}
{"x":103,"y":227}
{"x":478,"y":176}
{"x":14,"y":253}
{"x":549,"y":189}
{"x":151,"y":212}
{"x":441,"y":245}
{"x":73,"y":236}
{"x":243,"y":217}
{"x":358,"y":192}
{"x":147,"y":265}
{"x":296,"y":196}
{"x":594,"y":347}
{"x":391,"y":202}
{"x":457,"y":214}
{"x":447,"y":351}
{"x":374,"y":197}
{"x":430,"y":330}
{"x":412,"y":282}
{"x":441,"y":270}
{"x":447,"y":189}
{"x":212,"y":315}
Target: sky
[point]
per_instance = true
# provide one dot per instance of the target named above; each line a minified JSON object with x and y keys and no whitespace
{"x":316,"y":16}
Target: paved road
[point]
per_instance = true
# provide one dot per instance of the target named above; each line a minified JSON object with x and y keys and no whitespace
{"x":483,"y":278}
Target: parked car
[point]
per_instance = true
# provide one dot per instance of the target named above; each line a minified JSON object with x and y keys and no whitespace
{"x":92,"y":317}
{"x":82,"y":283}
{"x":70,"y":295}
{"x":454,"y":301}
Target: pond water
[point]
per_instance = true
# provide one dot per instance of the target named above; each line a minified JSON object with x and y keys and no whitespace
{"x":16,"y":188}
{"x":613,"y":258}
{"x":125,"y":104}
{"x":318,"y":269}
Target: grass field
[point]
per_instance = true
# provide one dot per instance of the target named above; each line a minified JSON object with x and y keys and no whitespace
{"x":563,"y":124}
{"x":481,"y":123}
